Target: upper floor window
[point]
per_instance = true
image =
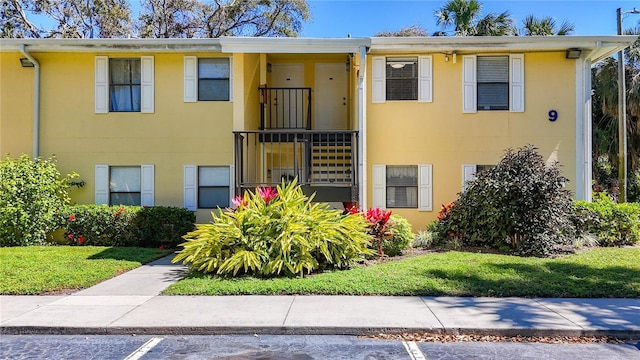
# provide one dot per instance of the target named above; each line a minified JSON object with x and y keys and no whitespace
{"x":402,"y":78}
{"x":493,"y":82}
{"x":213,"y":79}
{"x":124,"y":85}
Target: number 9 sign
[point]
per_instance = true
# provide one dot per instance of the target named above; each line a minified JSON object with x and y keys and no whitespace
{"x":553,"y":115}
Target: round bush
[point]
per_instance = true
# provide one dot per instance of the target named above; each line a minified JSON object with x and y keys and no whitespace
{"x":401,"y":236}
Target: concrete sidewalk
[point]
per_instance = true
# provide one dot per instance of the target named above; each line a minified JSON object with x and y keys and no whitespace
{"x":130,"y":304}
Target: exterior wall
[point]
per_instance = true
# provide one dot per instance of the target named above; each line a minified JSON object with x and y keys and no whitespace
{"x":16,"y":106}
{"x":438,"y":133}
{"x":177,"y":133}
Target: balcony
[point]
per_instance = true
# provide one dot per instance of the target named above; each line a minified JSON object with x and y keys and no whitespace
{"x":285,"y":108}
{"x":324,"y":162}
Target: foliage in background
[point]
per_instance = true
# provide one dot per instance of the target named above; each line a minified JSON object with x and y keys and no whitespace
{"x":102,"y":225}
{"x":613,"y":224}
{"x":32,"y":197}
{"x":521,"y":204}
{"x":270,"y":235}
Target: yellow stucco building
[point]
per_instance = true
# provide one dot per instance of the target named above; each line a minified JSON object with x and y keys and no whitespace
{"x":396,"y":123}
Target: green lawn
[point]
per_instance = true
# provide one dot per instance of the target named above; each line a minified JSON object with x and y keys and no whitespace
{"x":31,"y":270}
{"x":603,"y":272}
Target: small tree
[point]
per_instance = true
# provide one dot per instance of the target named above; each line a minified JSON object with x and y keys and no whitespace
{"x":521,"y":203}
{"x":32,"y":198}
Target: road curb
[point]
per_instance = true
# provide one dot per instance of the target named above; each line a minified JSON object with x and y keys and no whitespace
{"x":355,"y":331}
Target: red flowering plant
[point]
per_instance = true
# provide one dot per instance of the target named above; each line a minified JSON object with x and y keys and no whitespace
{"x":378,"y":220}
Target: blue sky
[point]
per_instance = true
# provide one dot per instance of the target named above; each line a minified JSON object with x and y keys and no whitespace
{"x":337,"y":18}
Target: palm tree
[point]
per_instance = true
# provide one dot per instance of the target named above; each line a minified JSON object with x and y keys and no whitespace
{"x":464,"y":16}
{"x":545,"y":26}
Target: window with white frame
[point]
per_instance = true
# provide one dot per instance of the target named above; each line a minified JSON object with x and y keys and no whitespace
{"x":493,"y":83}
{"x":469,"y":172}
{"x":124,"y":85}
{"x":124,"y":185}
{"x":207,"y":187}
{"x":402,"y":186}
{"x":213,"y":187}
{"x":402,"y":78}
{"x":208,"y":79}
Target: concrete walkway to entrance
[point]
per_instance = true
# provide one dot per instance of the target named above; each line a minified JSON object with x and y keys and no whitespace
{"x":131,"y":304}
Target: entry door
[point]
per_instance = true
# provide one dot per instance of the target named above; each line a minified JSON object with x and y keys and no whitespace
{"x":288,"y":105}
{"x":331,"y":97}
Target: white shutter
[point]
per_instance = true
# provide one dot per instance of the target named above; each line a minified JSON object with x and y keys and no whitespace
{"x":101,"y":182}
{"x":425,"y":79}
{"x":146,"y":84}
{"x":425,"y":187}
{"x":379,"y":183}
{"x":146,"y":185}
{"x":232,"y":189}
{"x":230,"y":79}
{"x":378,"y":82}
{"x":469,"y":87}
{"x":190,"y":79}
{"x":468,"y":174}
{"x":102,"y":85}
{"x":516,"y":82}
{"x":190,"y":187}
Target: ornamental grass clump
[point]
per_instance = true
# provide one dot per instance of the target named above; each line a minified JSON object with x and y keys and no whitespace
{"x":275,"y":232}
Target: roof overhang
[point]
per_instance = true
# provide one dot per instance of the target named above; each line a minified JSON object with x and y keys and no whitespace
{"x":594,"y":47}
{"x":293,"y":45}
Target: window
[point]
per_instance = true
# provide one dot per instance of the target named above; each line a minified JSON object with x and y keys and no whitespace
{"x":208,"y":79}
{"x":402,"y":186}
{"x":213,"y":79}
{"x":469,"y":172}
{"x":124,"y":185}
{"x":207,"y":187}
{"x":124,"y":85}
{"x":213,"y":187}
{"x":493,"y":82}
{"x":407,"y":186}
{"x":402,"y":78}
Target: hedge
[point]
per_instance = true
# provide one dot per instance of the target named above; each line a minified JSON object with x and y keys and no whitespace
{"x":613,"y":224}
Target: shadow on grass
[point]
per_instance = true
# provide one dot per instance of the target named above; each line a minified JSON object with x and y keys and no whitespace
{"x":136,"y":254}
{"x":542,"y":280}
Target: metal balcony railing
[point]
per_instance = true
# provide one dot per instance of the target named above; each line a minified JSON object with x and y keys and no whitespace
{"x":324,"y":158}
{"x":285,"y":108}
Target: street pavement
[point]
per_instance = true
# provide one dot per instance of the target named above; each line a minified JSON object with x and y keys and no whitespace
{"x":131,"y":304}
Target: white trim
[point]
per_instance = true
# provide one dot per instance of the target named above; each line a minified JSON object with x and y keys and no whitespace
{"x":190,"y":79}
{"x":232,"y":186}
{"x":425,"y":187}
{"x":378,"y":80}
{"x":379,"y":186}
{"x":190,"y":182}
{"x":425,"y":78}
{"x":468,"y":174}
{"x":362,"y":127}
{"x":146,"y":84}
{"x":101,"y":84}
{"x":469,"y":85}
{"x":101,"y":184}
{"x":147,"y":185}
{"x":584,"y":161}
{"x":516,"y":82}
{"x":230,"y":78}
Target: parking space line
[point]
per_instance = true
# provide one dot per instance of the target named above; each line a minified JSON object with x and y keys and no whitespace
{"x":145,"y":348}
{"x":413,"y":350}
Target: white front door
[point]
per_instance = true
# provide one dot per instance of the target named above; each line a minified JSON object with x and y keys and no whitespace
{"x":288,"y":104}
{"x":330,"y":94}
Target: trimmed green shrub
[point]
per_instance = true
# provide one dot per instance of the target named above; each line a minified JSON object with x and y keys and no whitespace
{"x":32,"y":197}
{"x":401,"y":236}
{"x":613,"y":224}
{"x":163,"y":226}
{"x":101,"y":225}
{"x":276,"y":232}
{"x":520,"y":205}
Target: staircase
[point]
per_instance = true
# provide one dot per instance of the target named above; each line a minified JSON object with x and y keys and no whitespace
{"x":331,"y":159}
